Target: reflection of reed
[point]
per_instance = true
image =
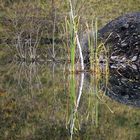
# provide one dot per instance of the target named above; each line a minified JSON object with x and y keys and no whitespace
{"x":22,"y":76}
{"x":74,"y":108}
{"x":94,"y":87}
{"x":29,"y":75}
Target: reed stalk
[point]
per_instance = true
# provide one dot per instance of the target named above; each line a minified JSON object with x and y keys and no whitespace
{"x":54,"y":28}
{"x":75,"y":38}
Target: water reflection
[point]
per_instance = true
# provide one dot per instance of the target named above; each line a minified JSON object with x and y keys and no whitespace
{"x":44,"y":102}
{"x":84,"y":111}
{"x":124,"y":85}
{"x":73,"y":101}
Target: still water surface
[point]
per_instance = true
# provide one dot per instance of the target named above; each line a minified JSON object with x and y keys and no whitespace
{"x":44,"y":102}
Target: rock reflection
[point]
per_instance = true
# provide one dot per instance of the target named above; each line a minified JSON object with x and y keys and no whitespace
{"x":124,"y":85}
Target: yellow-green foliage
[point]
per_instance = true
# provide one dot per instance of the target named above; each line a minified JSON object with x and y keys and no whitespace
{"x":105,"y":10}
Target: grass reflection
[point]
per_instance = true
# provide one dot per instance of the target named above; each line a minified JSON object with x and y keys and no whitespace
{"x":93,"y":87}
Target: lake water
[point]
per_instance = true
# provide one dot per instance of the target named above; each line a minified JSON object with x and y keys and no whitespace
{"x":45,"y":102}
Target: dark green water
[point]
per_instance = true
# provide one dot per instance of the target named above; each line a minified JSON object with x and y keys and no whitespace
{"x":43,"y":102}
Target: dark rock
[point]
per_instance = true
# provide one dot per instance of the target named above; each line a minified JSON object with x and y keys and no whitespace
{"x":132,"y":27}
{"x":121,"y":36}
{"x":124,"y":44}
{"x":127,"y":27}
